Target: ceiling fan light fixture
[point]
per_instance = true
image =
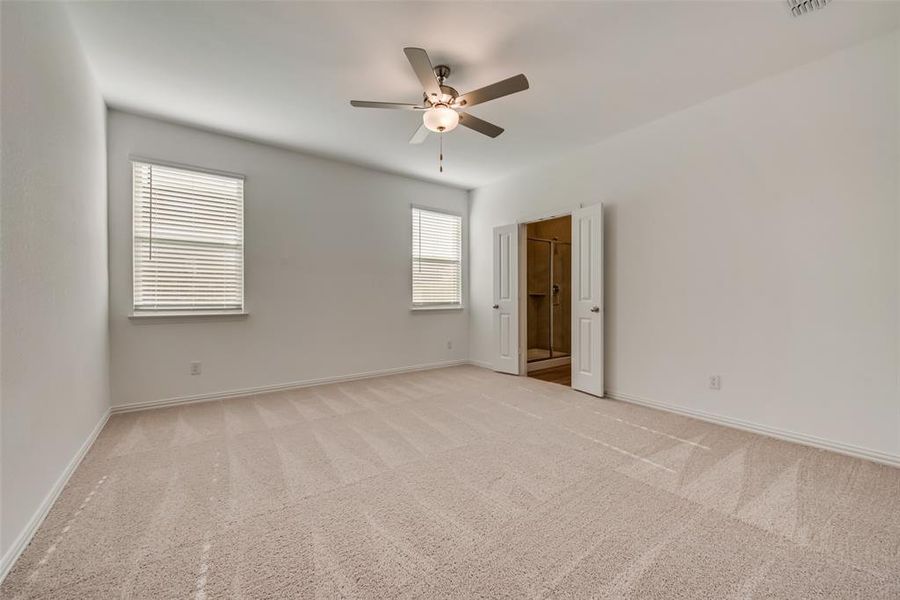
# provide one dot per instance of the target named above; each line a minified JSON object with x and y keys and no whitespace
{"x":440,"y":118}
{"x":442,"y":107}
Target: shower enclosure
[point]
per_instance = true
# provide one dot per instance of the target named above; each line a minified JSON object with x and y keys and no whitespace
{"x":549,"y":297}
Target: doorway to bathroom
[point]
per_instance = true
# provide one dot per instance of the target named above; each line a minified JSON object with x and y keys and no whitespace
{"x":576,"y":335}
{"x":548,"y":301}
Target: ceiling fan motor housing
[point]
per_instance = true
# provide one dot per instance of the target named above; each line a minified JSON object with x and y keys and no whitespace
{"x":448,"y":96}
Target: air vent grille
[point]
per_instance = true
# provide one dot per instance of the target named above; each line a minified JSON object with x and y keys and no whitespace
{"x":801,"y":7}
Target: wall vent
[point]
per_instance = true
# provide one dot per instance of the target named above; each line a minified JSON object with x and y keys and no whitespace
{"x":801,"y":7}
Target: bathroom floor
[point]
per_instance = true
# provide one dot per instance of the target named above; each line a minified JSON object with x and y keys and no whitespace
{"x":561,"y":375}
{"x":543,"y":354}
{"x":538,"y":354}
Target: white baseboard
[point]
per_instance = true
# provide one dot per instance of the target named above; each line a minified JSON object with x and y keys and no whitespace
{"x":480,"y":363}
{"x":22,"y":541}
{"x":228,"y":394}
{"x":782,"y":434}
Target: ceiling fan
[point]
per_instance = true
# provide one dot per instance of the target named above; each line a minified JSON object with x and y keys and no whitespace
{"x":442,"y":105}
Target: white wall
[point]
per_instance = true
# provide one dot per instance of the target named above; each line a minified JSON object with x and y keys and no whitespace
{"x":53,"y":379}
{"x":327,"y":273}
{"x":753,"y":236}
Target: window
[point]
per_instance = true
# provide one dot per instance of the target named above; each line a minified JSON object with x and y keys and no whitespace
{"x":436,"y":259}
{"x":188,"y":241}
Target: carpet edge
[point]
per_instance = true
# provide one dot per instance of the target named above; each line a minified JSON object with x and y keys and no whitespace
{"x":24,"y":538}
{"x":280,"y":387}
{"x":878,"y":456}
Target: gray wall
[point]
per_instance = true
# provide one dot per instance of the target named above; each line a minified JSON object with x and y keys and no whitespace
{"x":754,"y":236}
{"x":54,"y":373}
{"x":327,"y":273}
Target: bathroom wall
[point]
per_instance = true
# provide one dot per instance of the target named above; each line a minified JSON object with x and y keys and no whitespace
{"x":540,"y":286}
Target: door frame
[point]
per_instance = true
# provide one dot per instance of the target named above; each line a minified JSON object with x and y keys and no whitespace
{"x":523,"y":278}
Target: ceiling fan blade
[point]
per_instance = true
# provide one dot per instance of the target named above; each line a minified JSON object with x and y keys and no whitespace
{"x":395,"y":105}
{"x":421,"y":64}
{"x":479,"y":125}
{"x":506,"y":87}
{"x":419,"y":136}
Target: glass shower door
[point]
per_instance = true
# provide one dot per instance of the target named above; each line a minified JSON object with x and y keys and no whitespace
{"x":539,"y":300}
{"x":561,"y":296}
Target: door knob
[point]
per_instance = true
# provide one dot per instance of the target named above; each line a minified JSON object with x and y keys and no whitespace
{"x":496,"y":306}
{"x":595,"y":309}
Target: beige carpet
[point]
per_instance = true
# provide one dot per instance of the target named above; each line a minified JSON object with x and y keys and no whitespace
{"x":458,"y":483}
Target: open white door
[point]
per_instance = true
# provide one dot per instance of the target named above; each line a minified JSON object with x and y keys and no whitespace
{"x":506,"y":299}
{"x":587,"y":300}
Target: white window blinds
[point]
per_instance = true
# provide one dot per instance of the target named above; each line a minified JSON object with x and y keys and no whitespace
{"x":188,"y":240}
{"x":436,"y":258}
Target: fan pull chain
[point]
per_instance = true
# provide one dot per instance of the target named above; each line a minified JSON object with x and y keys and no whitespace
{"x":441,"y":157}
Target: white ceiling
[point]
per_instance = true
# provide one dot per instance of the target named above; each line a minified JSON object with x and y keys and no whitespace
{"x":284,"y":72}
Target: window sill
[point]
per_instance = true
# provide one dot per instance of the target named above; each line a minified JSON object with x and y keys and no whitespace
{"x":141,"y":316}
{"x":437,"y":307}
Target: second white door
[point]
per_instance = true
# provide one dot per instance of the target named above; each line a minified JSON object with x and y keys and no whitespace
{"x":587,"y":300}
{"x":506,"y":299}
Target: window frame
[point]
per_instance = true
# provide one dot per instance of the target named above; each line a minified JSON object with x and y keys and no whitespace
{"x":462,"y":261}
{"x":139,"y":314}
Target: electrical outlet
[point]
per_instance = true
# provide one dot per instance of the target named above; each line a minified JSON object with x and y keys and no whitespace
{"x":449,"y":344}
{"x":195,"y":368}
{"x":715,"y":382}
